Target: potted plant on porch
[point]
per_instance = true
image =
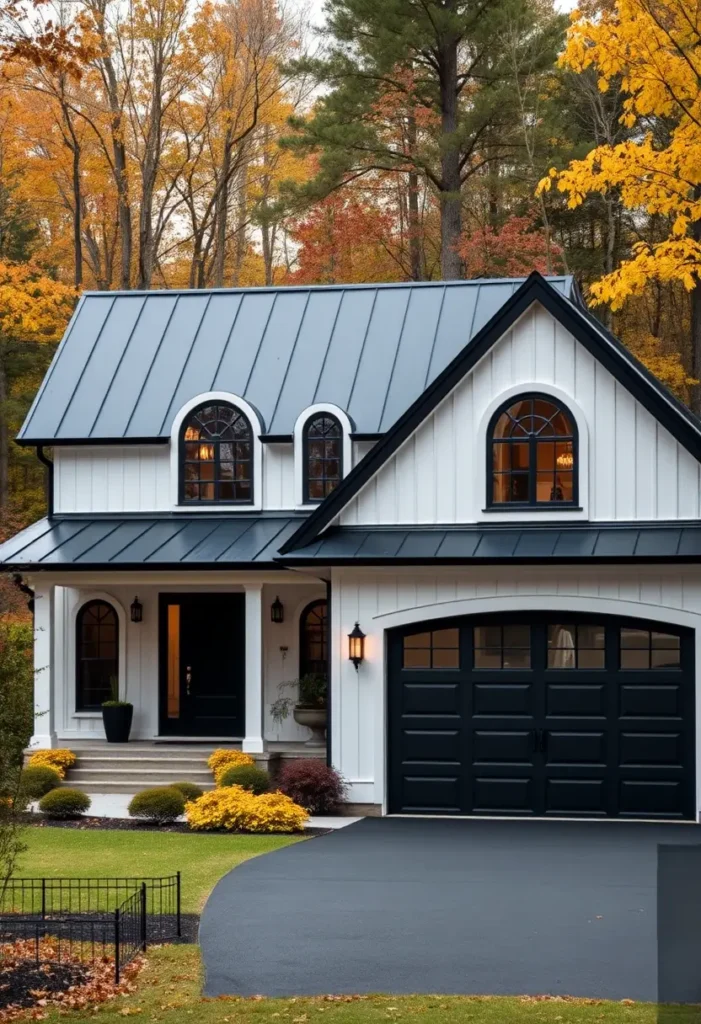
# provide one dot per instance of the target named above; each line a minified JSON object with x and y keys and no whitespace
{"x":116,"y":716}
{"x":308,"y":708}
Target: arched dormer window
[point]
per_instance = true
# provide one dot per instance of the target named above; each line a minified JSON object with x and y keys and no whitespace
{"x":532,"y":454}
{"x":216,"y":456}
{"x":97,"y":655}
{"x":323,"y":456}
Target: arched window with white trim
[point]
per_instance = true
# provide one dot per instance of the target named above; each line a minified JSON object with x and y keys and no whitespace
{"x":323,"y":456}
{"x":216,"y":456}
{"x":97,"y":655}
{"x":532,"y":454}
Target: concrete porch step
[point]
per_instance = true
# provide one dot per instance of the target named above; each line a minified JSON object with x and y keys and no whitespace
{"x":150,"y":776}
{"x":161,"y":752}
{"x":181,"y":764}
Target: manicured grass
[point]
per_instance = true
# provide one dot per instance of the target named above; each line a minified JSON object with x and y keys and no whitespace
{"x":201,"y":859}
{"x":168,"y":992}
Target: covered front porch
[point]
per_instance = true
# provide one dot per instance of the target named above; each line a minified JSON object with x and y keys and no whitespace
{"x":197,"y":653}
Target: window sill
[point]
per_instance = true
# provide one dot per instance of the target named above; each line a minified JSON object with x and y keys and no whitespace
{"x":515,"y":509}
{"x":86,"y":714}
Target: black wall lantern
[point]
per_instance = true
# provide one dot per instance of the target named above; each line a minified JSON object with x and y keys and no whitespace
{"x":277,"y":611}
{"x":356,"y":646}
{"x":137,"y":610}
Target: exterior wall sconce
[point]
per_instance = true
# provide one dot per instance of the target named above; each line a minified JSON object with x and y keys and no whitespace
{"x":137,"y":610}
{"x":356,"y":646}
{"x":277,"y":611}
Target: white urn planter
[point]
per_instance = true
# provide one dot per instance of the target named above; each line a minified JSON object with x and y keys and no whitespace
{"x":314,"y":719}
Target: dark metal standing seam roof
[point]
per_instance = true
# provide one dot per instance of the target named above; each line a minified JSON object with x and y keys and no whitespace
{"x":546,"y":544}
{"x":149,"y":542}
{"x":130,"y":360}
{"x":217,"y":542}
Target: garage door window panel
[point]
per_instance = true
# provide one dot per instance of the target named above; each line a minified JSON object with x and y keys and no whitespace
{"x":434,"y":650}
{"x":573,"y":646}
{"x":502,"y":647}
{"x":644,"y":649}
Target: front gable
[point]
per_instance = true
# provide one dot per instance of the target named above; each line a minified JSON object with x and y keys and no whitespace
{"x":630,"y":466}
{"x":639,"y":447}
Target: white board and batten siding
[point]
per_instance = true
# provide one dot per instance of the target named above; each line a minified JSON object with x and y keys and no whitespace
{"x":633,"y":469}
{"x":386,"y":598}
{"x":137,"y":478}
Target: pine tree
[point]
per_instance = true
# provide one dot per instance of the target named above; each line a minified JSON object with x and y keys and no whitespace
{"x":451,"y":63}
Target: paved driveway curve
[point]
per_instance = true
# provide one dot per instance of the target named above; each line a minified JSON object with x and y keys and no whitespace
{"x":404,"y":905}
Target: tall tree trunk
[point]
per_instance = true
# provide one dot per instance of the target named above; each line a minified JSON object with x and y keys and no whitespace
{"x":149,"y":171}
{"x":450,"y":199}
{"x":4,"y":433}
{"x":696,"y":321}
{"x":241,"y":216}
{"x":77,"y":220}
{"x":221,"y":215}
{"x":418,"y":272}
{"x":119,"y":152}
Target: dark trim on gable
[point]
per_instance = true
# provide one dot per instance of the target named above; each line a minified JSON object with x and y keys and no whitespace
{"x":276,"y":439}
{"x":366,"y":437}
{"x":604,"y":347}
{"x":46,"y":461}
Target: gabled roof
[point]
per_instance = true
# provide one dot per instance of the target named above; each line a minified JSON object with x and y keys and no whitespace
{"x":631,"y":374}
{"x":130,"y":360}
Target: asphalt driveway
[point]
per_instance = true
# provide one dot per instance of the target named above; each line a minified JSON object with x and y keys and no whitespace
{"x":407,"y":905}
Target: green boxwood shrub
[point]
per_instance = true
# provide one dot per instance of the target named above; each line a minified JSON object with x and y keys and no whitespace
{"x":249,"y":776}
{"x":36,"y":782}
{"x":64,"y":803}
{"x":161,"y":804}
{"x":188,"y":789}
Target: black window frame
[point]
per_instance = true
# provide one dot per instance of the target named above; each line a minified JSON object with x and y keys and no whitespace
{"x":80,"y":703}
{"x":532,"y":439}
{"x":306,"y":497}
{"x":217,"y":442}
{"x":304,"y":661}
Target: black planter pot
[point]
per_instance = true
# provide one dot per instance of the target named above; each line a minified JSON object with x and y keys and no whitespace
{"x":117,"y":722}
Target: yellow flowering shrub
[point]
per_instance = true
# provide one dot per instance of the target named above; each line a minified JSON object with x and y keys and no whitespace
{"x":222,"y":759}
{"x":236,"y":809}
{"x":60,"y":760}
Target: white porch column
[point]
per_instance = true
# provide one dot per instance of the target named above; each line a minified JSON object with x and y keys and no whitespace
{"x":253,"y":740}
{"x":44,"y":666}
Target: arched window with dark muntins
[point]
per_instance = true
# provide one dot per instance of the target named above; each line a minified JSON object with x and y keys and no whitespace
{"x":532,"y":455}
{"x":97,"y":655}
{"x":323,"y":456}
{"x":216,"y":456}
{"x":313,"y":639}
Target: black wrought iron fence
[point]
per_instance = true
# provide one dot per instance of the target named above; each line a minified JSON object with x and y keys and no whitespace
{"x":55,"y":920}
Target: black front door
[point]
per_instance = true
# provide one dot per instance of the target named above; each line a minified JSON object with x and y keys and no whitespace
{"x":542,"y":715}
{"x":202,"y":665}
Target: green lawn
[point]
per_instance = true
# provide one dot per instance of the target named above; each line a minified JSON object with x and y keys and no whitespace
{"x":168,"y":992}
{"x":201,"y":859}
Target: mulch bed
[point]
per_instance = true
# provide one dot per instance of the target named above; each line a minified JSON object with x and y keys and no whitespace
{"x":19,"y":981}
{"x":135,"y":825}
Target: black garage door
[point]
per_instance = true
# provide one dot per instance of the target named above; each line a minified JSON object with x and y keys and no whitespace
{"x":531,"y":715}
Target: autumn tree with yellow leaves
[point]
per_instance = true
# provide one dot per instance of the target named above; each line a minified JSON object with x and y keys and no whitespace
{"x":651,"y":49}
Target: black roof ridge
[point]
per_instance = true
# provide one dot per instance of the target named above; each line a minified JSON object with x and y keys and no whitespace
{"x":609,"y":351}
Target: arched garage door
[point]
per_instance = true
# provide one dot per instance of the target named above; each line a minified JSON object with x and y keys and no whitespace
{"x":541,"y":715}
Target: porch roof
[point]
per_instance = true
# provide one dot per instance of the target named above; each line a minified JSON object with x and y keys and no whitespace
{"x":546,"y":544}
{"x":139,"y":542}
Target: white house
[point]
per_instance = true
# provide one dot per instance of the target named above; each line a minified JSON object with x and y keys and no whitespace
{"x":476,"y":473}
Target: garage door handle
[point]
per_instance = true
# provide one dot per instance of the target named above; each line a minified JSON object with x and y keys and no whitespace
{"x":534,"y":741}
{"x":542,"y":740}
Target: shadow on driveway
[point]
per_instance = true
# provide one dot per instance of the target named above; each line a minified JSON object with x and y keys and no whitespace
{"x":447,"y":906}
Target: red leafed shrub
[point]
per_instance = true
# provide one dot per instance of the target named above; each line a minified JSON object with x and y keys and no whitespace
{"x":313,"y":785}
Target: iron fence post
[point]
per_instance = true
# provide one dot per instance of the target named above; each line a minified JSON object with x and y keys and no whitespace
{"x":116,"y":947}
{"x":143,"y":916}
{"x":178,"y":921}
{"x":43,"y":898}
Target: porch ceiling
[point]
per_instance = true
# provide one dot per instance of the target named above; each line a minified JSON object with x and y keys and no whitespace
{"x":136,"y":542}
